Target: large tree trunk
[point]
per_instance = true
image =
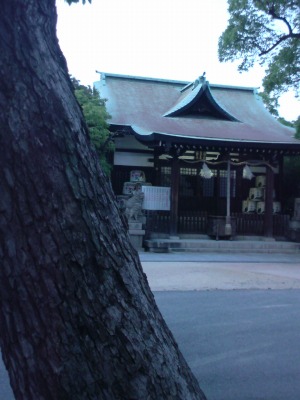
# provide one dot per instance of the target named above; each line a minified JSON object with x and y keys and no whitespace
{"x":77,"y":317}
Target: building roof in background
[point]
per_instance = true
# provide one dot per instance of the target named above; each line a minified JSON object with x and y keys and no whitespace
{"x":170,"y":110}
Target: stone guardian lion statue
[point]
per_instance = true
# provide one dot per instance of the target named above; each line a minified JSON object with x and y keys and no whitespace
{"x":133,"y":205}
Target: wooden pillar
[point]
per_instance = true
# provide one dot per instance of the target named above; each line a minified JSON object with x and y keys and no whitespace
{"x":156,"y":169}
{"x":268,"y":220}
{"x":239,"y":186}
{"x":228,"y":207}
{"x":280,"y":179}
{"x":175,"y":177}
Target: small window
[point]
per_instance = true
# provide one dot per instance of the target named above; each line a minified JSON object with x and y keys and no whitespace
{"x":188,"y":171}
{"x":165,"y":179}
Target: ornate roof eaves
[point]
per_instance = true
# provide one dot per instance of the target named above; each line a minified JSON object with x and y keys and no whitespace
{"x":226,"y":114}
{"x":200,"y":87}
{"x":183,"y":104}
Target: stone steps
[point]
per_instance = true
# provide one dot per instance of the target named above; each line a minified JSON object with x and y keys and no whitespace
{"x":237,"y":245}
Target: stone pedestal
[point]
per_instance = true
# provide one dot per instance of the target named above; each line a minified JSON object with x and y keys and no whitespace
{"x":136,"y":233}
{"x":217,"y":226}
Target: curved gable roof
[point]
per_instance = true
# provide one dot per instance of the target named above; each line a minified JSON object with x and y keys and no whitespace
{"x":197,"y":100}
{"x":156,"y":108}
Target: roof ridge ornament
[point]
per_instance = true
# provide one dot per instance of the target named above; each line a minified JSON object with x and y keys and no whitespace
{"x":199,"y":80}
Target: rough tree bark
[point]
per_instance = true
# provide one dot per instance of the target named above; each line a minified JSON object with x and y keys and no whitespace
{"x":77,"y":318}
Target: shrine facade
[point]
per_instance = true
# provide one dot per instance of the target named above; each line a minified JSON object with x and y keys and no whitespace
{"x":216,"y":147}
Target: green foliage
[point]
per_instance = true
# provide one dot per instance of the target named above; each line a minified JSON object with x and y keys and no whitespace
{"x":293,"y":124}
{"x":268,"y":32}
{"x":297,"y":126}
{"x":271,"y":103}
{"x":283,"y":121}
{"x":283,"y":71}
{"x":96,"y":117}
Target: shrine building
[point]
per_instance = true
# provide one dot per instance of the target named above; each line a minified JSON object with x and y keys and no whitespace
{"x":215,"y":146}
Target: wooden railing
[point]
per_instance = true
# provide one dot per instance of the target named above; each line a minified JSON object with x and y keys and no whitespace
{"x":157,"y":221}
{"x":192,"y":222}
{"x":253,"y":224}
{"x":281,"y":224}
{"x":249,"y":224}
{"x":195,"y":222}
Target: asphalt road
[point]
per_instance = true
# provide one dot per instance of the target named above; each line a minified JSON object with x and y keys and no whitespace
{"x":5,"y":389}
{"x":240,"y":344}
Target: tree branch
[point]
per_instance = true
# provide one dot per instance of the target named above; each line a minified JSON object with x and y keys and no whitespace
{"x":281,"y":39}
{"x":272,"y":13}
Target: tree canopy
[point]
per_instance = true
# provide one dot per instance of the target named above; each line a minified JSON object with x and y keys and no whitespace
{"x":268,"y":32}
{"x":96,"y":116}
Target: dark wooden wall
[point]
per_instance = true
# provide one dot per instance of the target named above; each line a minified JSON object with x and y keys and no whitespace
{"x":195,"y":193}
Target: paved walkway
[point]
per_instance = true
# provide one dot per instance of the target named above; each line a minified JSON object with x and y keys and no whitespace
{"x":285,"y":258}
{"x":194,"y":271}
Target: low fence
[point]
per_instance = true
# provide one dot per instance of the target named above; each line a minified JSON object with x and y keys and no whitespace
{"x":253,"y":224}
{"x":192,"y":222}
{"x":157,"y":221}
{"x":195,"y":222}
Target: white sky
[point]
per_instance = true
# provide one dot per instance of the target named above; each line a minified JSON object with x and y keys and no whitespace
{"x":172,"y":39}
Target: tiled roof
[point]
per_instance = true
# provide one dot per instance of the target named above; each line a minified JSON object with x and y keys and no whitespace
{"x":201,"y":111}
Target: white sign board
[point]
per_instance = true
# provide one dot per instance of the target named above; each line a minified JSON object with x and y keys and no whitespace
{"x":156,"y":198}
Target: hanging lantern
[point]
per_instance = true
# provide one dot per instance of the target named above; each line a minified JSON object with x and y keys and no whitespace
{"x":247,"y":173}
{"x":206,"y":172}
